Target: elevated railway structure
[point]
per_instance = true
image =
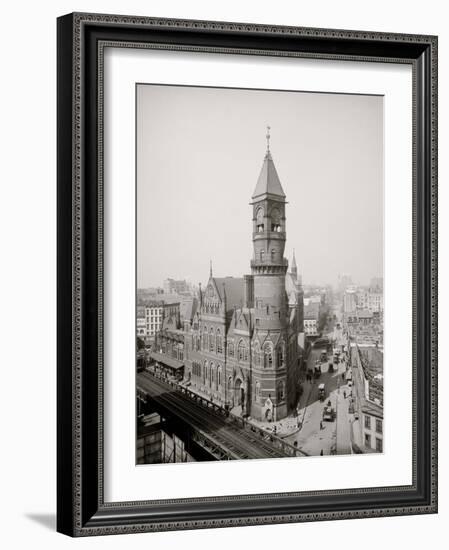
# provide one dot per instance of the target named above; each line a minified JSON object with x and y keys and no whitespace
{"x":222,"y":434}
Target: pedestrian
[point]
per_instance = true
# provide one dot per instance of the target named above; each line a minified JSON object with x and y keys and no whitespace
{"x":343,"y":375}
{"x":321,"y":424}
{"x":344,"y":394}
{"x":321,"y":452}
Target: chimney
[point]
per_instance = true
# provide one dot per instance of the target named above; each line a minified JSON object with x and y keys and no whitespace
{"x":248,"y":294}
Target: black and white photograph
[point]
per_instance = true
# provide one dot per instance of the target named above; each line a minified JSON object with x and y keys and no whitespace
{"x":221,"y":274}
{"x":259,"y":274}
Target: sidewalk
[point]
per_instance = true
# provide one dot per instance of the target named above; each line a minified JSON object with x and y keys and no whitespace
{"x":343,"y":423}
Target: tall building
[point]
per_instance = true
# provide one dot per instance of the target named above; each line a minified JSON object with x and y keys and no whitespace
{"x":349,"y":300}
{"x":344,"y":281}
{"x":242,"y":348}
{"x":150,"y":317}
{"x":172,"y":286}
{"x":377,"y":284}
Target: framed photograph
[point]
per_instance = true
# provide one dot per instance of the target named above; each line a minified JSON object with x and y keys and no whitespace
{"x":247,"y":274}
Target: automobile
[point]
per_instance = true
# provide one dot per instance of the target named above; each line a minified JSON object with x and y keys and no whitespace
{"x":328,"y":413}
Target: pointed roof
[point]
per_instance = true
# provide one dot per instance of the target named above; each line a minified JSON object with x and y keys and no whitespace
{"x":233,"y":287}
{"x":268,"y":182}
{"x":294,"y":266}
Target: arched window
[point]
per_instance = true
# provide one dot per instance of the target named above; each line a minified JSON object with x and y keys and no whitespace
{"x":275,"y":220}
{"x":273,"y":255}
{"x":262,"y":255}
{"x":242,"y":351}
{"x":257,"y":391}
{"x":280,"y":391}
{"x":219,"y":377}
{"x":212,"y":376}
{"x":231,"y":349}
{"x":205,"y":339}
{"x":281,"y":353}
{"x":204,"y":372}
{"x":268,"y":355}
{"x":219,"y":342}
{"x":211,"y":340}
{"x":259,"y":220}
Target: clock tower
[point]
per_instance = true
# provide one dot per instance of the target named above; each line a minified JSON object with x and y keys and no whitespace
{"x":269,"y":266}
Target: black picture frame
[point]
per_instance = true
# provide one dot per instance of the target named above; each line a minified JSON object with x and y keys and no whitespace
{"x":81,"y":509}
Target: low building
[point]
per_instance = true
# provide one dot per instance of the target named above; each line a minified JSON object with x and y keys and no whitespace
{"x":140,"y":322}
{"x":367,"y":397}
{"x":311,"y":317}
{"x":141,"y":328}
{"x":370,"y":300}
{"x":365,"y":316}
{"x":150,"y":318}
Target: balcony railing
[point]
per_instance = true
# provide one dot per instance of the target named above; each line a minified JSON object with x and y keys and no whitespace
{"x":269,"y":262}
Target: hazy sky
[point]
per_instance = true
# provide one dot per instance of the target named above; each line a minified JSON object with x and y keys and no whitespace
{"x":199,"y":154}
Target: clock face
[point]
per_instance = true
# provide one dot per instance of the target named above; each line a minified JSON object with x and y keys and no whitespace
{"x":259,"y":216}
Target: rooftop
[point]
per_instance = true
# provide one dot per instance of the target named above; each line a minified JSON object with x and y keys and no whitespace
{"x":233,"y":288}
{"x":268,"y":182}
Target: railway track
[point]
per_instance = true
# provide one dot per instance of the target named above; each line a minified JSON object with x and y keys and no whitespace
{"x":236,"y":442}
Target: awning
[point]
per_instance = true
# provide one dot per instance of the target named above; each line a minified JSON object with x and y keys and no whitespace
{"x":166,"y":360}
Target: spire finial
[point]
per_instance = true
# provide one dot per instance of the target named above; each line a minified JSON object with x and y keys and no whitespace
{"x":210,"y":271}
{"x":268,"y":136}
{"x":294,"y":268}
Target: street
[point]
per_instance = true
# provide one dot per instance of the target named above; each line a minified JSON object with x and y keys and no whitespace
{"x":316,"y":435}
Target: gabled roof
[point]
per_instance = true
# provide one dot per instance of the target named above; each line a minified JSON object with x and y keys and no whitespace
{"x":268,"y":182}
{"x":233,"y":287}
{"x":188,"y":308}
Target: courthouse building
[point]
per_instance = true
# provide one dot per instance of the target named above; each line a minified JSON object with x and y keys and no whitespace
{"x":241,"y":346}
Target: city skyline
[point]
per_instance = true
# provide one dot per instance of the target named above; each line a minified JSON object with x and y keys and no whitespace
{"x":203,"y":212}
{"x":308,"y":284}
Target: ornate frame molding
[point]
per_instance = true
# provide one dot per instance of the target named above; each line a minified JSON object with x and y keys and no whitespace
{"x":81,"y":42}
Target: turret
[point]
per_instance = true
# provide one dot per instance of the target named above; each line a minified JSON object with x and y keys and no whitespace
{"x":269,"y":266}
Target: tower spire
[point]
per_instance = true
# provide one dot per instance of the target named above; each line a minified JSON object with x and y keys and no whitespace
{"x":294,"y":268}
{"x":268,"y":182}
